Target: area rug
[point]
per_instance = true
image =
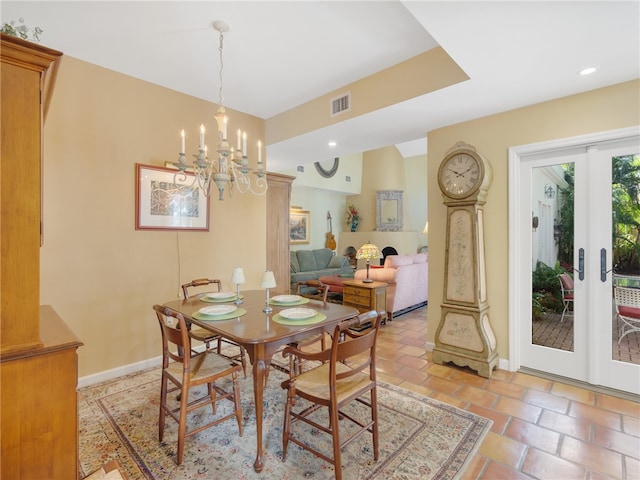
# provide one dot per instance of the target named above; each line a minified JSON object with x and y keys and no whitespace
{"x":420,"y":438}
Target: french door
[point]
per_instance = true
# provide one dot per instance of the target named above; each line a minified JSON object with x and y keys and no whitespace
{"x":561,"y":217}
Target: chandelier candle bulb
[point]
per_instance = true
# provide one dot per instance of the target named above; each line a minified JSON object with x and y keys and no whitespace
{"x":182,"y":142}
{"x":259,"y":152}
{"x":239,"y":136}
{"x":201,"y":137}
{"x":244,"y":144}
{"x":224,"y":127}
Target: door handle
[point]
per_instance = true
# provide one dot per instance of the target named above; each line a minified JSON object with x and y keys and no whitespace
{"x":581,"y":264}
{"x":603,"y":265}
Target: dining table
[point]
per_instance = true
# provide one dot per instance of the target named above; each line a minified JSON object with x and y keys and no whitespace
{"x":260,"y":332}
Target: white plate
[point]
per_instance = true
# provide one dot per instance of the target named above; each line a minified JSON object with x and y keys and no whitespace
{"x":220,"y":295}
{"x":286,"y":298}
{"x":297,"y":313}
{"x":218,"y":309}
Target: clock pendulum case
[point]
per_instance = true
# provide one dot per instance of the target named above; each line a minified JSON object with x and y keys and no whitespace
{"x":464,"y":335}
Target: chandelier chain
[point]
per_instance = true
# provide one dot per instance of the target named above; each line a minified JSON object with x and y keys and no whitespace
{"x":220,"y":47}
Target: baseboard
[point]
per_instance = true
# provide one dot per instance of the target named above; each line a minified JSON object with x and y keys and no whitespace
{"x":119,"y":372}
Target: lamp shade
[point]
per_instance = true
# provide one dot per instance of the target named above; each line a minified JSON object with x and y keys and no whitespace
{"x":368,"y":251}
{"x":238,"y":275}
{"x":268,"y":280}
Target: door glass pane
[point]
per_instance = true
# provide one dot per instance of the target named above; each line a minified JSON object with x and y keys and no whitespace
{"x":552,"y":218}
{"x":625,"y":191}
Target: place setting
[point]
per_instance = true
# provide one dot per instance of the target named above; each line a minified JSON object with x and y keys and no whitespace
{"x":298,"y":316}
{"x":214,"y":313}
{"x":220,"y":297}
{"x":288,"y":300}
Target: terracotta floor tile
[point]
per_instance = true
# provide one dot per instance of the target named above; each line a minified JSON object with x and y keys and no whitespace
{"x":413,"y":351}
{"x":500,"y":420}
{"x":475,"y":467}
{"x":441,"y":385}
{"x":540,"y":464}
{"x":477,"y":396}
{"x":574,"y":427}
{"x":574,"y":393}
{"x":533,"y":435}
{"x":532,"y":382}
{"x":592,"y":456}
{"x":427,"y":392}
{"x":631,"y":425}
{"x":412,"y":362}
{"x":632,"y":468}
{"x":455,"y":401}
{"x":618,"y":441}
{"x":496,"y":471}
{"x":546,"y":400}
{"x":387,"y":366}
{"x":596,"y":415}
{"x":500,"y":387}
{"x":503,"y":449}
{"x":466,"y":378}
{"x":503,"y":375}
{"x":412,"y":375}
{"x":618,"y":405}
{"x":438,"y":370}
{"x":518,"y":409}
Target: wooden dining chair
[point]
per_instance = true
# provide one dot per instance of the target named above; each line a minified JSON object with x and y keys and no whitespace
{"x":207,"y":337}
{"x":566,"y":287}
{"x":348,"y":375}
{"x":186,"y":371}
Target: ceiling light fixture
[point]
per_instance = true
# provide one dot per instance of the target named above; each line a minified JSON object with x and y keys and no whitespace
{"x":332,"y":143}
{"x":587,"y":71}
{"x":231,"y":168}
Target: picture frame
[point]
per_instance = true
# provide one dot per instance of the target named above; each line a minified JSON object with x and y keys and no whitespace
{"x":389,"y":210}
{"x":299,"y":227}
{"x":169,"y":200}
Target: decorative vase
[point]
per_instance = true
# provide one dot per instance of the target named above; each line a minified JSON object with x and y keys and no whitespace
{"x":354,"y":226}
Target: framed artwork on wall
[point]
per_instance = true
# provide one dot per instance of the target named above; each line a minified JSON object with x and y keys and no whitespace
{"x":299,"y":227}
{"x":164,"y":201}
{"x":389,"y":211}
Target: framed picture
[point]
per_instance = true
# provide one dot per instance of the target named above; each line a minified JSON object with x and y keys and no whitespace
{"x":299,"y":226}
{"x":389,"y":211}
{"x":167,"y":200}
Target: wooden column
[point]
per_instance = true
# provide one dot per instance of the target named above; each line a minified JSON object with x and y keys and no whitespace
{"x":278,"y":201}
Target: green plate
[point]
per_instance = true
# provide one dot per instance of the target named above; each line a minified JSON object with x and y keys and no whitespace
{"x":217,"y":318}
{"x":317,"y":318}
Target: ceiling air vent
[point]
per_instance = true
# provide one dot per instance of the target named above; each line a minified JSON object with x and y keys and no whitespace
{"x":341,"y":104}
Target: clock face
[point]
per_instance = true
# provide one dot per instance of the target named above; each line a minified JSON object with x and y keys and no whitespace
{"x":460,"y":175}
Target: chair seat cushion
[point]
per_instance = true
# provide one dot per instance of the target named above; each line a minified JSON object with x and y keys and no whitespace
{"x":314,"y":382}
{"x":204,"y":365}
{"x":629,"y":311}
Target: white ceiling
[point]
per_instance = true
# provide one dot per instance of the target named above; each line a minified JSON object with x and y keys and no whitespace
{"x":278,"y":55}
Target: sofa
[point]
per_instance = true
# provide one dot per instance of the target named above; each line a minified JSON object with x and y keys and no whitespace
{"x":312,"y":264}
{"x":406,"y":276}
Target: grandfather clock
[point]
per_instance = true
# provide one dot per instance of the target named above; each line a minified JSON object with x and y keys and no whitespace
{"x":464,"y":335}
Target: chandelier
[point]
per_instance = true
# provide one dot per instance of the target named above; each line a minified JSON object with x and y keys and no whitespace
{"x":229,"y":169}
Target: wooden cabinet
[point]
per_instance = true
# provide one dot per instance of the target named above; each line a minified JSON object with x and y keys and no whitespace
{"x":365,"y":296}
{"x":278,"y":200}
{"x":38,"y":353}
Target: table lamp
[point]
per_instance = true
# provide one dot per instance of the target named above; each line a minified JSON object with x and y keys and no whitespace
{"x":368,"y":251}
{"x":268,"y":281}
{"x":237,"y":277}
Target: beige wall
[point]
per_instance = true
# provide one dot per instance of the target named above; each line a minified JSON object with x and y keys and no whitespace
{"x":599,"y":110}
{"x":99,"y":273}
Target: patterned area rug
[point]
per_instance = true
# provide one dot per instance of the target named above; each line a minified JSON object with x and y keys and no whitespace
{"x":420,"y":438}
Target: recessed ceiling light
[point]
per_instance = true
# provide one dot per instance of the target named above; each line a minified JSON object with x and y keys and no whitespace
{"x":332,"y":144}
{"x":587,"y":71}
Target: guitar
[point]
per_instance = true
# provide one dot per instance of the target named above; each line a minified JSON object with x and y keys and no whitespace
{"x":331,"y":240}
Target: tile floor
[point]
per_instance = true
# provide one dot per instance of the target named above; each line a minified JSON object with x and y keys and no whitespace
{"x":541,"y":428}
